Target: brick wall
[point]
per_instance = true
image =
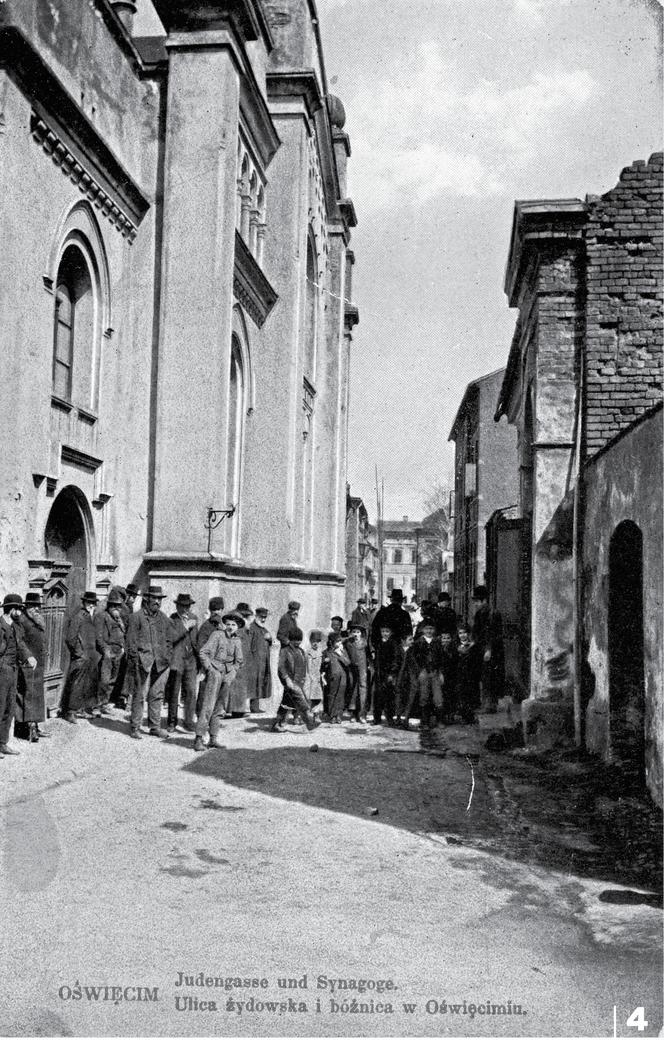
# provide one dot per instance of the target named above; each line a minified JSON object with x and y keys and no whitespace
{"x":624,"y":301}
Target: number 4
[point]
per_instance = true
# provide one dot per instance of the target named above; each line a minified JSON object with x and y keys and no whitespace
{"x":638,"y":1019}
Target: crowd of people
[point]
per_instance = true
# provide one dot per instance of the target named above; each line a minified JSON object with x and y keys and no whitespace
{"x":388,"y":664}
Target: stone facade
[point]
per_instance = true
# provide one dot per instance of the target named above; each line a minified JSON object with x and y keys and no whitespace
{"x":175,"y":273}
{"x":485,"y":480}
{"x":585,"y":363}
{"x":361,"y":576}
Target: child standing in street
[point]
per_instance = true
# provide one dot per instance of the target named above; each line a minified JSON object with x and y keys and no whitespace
{"x":314,"y":688}
{"x":335,"y":668}
{"x":221,"y":657}
{"x":356,"y":649}
{"x":449,"y":676}
{"x":292,"y":675}
{"x":469,"y":672}
{"x":386,"y":667}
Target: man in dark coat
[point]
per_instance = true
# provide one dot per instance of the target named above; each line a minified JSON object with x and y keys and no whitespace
{"x":13,"y":651}
{"x":444,"y":616}
{"x":31,"y":700}
{"x":361,"y":615}
{"x":149,"y":651}
{"x":288,"y":624}
{"x":260,"y":683}
{"x":488,"y":636}
{"x":393,"y":616}
{"x":125,"y":685}
{"x":110,"y":637}
{"x":386,"y":668}
{"x":80,"y":691}
{"x":240,"y":689}
{"x":183,"y":674}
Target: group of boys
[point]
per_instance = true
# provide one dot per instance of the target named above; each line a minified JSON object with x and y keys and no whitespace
{"x":377,"y":667}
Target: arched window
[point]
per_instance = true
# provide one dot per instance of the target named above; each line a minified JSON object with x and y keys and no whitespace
{"x":73,"y":334}
{"x":234,"y":439}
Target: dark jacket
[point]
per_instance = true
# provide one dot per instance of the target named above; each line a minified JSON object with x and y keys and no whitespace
{"x":445,"y":619}
{"x":260,"y":682}
{"x":149,"y":639}
{"x":287,"y":625}
{"x":185,"y":650}
{"x":81,"y":637}
{"x":427,"y":656}
{"x":110,"y":634}
{"x":292,"y":668}
{"x":387,"y":659}
{"x":394,"y":617}
{"x":31,"y":705}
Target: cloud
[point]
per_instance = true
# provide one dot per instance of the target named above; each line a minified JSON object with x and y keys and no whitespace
{"x":536,"y":9}
{"x":426,"y":133}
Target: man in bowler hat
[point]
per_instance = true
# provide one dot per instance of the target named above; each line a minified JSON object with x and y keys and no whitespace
{"x":183,"y":674}
{"x":393,"y":616}
{"x":110,"y":631}
{"x":31,"y":700}
{"x":13,"y":651}
{"x":80,"y":689}
{"x":149,"y":651}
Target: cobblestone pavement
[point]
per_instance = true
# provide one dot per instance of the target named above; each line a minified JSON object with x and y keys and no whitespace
{"x":356,"y":853}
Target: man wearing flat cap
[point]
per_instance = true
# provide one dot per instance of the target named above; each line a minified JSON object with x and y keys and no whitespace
{"x":79,"y":695}
{"x":240,"y":689}
{"x":288,"y":624}
{"x":221,"y":656}
{"x":149,"y":651}
{"x":13,"y":651}
{"x":361,"y":615}
{"x":182,"y":677}
{"x":260,"y":681}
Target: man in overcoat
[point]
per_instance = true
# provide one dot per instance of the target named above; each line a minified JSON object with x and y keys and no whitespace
{"x":393,"y":616}
{"x":110,"y":637}
{"x":183,"y":674}
{"x":149,"y":651}
{"x":488,"y":636}
{"x":288,"y":624}
{"x":80,"y":691}
{"x":260,"y":686}
{"x":13,"y":651}
{"x":30,"y":700}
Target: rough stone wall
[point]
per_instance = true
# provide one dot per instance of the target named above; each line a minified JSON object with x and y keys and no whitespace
{"x":624,"y":301}
{"x":615,"y":492}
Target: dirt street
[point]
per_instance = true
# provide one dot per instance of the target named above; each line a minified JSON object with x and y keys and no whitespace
{"x":367,"y":887}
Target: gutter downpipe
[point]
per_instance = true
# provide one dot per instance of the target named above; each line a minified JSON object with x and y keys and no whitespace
{"x":577,"y":541}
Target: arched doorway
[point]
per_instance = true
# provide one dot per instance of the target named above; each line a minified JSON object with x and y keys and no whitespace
{"x":626,"y":676}
{"x":67,"y":539}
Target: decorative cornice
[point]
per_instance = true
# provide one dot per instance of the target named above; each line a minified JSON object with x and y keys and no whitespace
{"x":257,"y":119}
{"x":351,"y":316}
{"x":71,"y":455}
{"x":66,"y":160}
{"x":297,"y":84}
{"x":251,"y":287}
{"x":246,"y":17}
{"x":348,"y":212}
{"x":166,"y":565}
{"x":535,"y":224}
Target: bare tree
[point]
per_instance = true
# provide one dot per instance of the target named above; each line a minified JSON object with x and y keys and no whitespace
{"x":435,"y":538}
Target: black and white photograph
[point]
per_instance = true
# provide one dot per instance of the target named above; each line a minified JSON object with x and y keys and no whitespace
{"x":331,"y":550}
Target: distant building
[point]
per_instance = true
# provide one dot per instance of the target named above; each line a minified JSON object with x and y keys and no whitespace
{"x":412,"y":557}
{"x":485,"y":481}
{"x":361,"y":576}
{"x":583,"y":387}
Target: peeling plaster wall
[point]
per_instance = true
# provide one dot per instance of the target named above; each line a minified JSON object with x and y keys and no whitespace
{"x":616,"y":491}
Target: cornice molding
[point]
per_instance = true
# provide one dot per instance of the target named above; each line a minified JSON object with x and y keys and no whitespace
{"x":351,"y":316}
{"x":167,"y":565}
{"x":245,"y":17}
{"x":537,"y":223}
{"x":347,"y":209}
{"x":250,"y":285}
{"x":301,"y":83}
{"x":64,"y":158}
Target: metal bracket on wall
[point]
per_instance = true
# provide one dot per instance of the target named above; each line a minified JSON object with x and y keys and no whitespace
{"x":215,"y":516}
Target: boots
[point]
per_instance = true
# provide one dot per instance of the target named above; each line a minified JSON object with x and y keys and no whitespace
{"x":34,"y":732}
{"x":199,"y":744}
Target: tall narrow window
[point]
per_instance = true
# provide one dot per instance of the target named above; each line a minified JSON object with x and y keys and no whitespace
{"x":63,"y":353}
{"x":234,"y":440}
{"x":73,"y":334}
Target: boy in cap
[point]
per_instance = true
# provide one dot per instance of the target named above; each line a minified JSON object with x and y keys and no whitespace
{"x":240,"y":689}
{"x":488,"y":634}
{"x":215,"y":605}
{"x":356,"y":650}
{"x":428,"y":663}
{"x":292,"y":675}
{"x":469,"y":671}
{"x":13,"y":651}
{"x":221,"y":656}
{"x":183,"y":674}
{"x":313,"y":687}
{"x":386,"y":669}
{"x":288,"y":624}
{"x":360,"y":614}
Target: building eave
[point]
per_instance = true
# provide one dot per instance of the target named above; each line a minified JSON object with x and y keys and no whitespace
{"x":535,"y":221}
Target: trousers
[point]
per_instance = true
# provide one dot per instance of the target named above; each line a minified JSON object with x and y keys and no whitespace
{"x":108,"y":676}
{"x":150,"y":687}
{"x":8,"y":676}
{"x":182,"y":681}
{"x":214,"y":703}
{"x":431,"y":696}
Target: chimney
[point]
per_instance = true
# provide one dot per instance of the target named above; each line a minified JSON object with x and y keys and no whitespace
{"x":405,"y":518}
{"x":125,"y":10}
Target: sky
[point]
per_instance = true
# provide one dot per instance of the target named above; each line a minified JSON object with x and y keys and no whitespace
{"x":455,"y":109}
